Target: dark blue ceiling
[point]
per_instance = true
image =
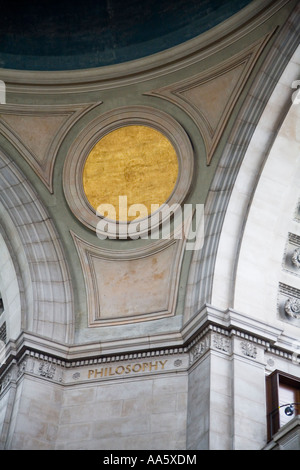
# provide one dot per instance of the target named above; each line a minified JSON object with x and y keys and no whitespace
{"x":66,"y":35}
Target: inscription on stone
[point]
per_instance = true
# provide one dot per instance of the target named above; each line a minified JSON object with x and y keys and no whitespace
{"x":126,"y":369}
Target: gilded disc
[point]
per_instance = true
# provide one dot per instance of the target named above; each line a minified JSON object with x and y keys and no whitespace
{"x":135,"y":161}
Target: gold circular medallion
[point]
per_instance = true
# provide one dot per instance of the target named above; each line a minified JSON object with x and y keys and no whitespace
{"x":136,"y":164}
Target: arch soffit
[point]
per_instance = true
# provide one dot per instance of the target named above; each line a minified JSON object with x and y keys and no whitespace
{"x":269,"y":130}
{"x":201,"y":282}
{"x":43,"y":267}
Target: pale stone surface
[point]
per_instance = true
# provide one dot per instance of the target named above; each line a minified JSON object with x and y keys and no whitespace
{"x":134,"y":411}
{"x":129,"y":289}
{"x":250,"y":405}
{"x":118,"y":284}
{"x":27,"y":224}
{"x":241,"y":262}
{"x":36,"y":132}
{"x":211,"y":394}
{"x":10,"y":292}
{"x":198,"y":412}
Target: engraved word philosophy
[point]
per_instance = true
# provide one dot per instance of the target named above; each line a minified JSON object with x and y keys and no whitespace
{"x":127,"y":369}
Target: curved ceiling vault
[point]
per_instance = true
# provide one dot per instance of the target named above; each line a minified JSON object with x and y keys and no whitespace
{"x":54,"y":35}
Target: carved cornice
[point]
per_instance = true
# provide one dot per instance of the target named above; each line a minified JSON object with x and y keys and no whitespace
{"x":60,"y":363}
{"x":289,"y":291}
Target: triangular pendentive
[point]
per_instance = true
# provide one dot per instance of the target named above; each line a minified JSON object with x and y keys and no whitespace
{"x":37,"y":133}
{"x":209,"y":97}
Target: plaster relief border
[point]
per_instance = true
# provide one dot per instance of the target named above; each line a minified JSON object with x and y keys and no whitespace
{"x":289,"y":304}
{"x":139,"y":304}
{"x":42,"y":161}
{"x":94,"y":369}
{"x":291,"y":258}
{"x":202,"y":96}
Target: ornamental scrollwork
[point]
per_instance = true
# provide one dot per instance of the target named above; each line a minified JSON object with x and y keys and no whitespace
{"x":177,"y":362}
{"x":292,"y":307}
{"x":21,"y":369}
{"x":221,"y":342}
{"x":7,"y":379}
{"x":198,"y":350}
{"x":249,"y":349}
{"x":296,"y":258}
{"x":47,"y":369}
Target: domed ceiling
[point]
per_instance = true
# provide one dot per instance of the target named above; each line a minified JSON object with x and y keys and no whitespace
{"x":69,"y":35}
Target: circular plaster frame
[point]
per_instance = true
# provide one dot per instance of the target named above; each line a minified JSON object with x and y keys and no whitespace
{"x":101,"y":126}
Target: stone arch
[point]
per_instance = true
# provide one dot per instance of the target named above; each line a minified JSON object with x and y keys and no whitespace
{"x":259,"y":167}
{"x":11,"y":290}
{"x":273,"y":214}
{"x":44,"y":282}
{"x":212,"y":272}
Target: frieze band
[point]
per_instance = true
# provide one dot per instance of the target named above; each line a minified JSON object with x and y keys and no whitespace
{"x":126,"y":369}
{"x":171,"y":360}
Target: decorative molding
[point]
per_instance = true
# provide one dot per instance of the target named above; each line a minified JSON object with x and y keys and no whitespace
{"x":6,"y":381}
{"x":296,"y":258}
{"x":294,"y":239}
{"x":289,"y":291}
{"x":47,"y":369}
{"x":45,"y":359}
{"x":199,"y":349}
{"x":291,"y":256}
{"x":65,"y":372}
{"x":292,"y":307}
{"x":211,"y":338}
{"x":249,"y":349}
{"x":207,"y":100}
{"x":42,"y":258}
{"x":40,"y":139}
{"x":103,"y":269}
{"x":280,"y":353}
{"x":105,"y":123}
{"x":177,"y":362}
{"x":289,"y":303}
{"x":222,"y":343}
{"x":21,"y":368}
